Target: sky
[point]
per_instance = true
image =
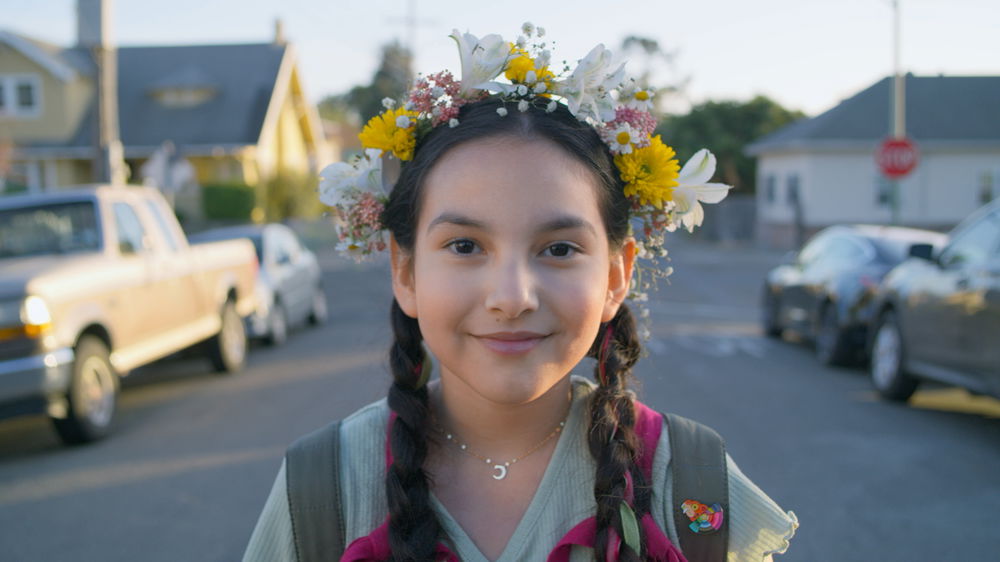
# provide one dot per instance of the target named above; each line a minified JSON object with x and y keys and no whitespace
{"x":805,"y":54}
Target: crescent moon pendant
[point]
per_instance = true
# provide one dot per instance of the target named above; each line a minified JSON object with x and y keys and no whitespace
{"x":501,"y":472}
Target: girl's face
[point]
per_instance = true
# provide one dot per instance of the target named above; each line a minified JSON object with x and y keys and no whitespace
{"x":511,"y":272}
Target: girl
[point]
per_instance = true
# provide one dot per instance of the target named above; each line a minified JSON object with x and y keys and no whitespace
{"x":512,"y":255}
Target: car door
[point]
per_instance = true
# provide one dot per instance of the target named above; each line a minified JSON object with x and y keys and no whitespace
{"x":130,"y":286}
{"x":978,"y":350}
{"x":173,"y":273}
{"x":300,"y":281}
{"x":795,"y":298}
{"x":956,"y":297}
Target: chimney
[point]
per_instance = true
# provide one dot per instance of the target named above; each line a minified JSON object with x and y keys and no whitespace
{"x":279,"y":32}
{"x":93,"y":23}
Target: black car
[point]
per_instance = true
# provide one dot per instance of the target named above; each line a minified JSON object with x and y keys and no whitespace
{"x":826,"y":291}
{"x":939,"y":314}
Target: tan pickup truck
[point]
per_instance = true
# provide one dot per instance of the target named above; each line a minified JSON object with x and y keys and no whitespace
{"x":97,"y":281}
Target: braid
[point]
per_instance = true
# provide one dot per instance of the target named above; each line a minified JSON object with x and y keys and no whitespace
{"x":413,"y":527}
{"x":612,"y":439}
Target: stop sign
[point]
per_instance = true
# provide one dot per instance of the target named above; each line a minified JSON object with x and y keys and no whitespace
{"x":896,"y":157}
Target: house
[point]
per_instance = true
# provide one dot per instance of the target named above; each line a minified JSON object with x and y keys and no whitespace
{"x":237,"y":113}
{"x":821,"y":171}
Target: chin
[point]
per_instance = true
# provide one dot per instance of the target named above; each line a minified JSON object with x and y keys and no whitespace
{"x":513,"y":389}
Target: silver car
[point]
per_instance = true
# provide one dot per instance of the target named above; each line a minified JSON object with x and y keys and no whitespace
{"x":289,"y":284}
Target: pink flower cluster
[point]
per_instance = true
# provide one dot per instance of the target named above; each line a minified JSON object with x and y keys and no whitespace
{"x":364,"y":222}
{"x":436,"y":95}
{"x":640,"y":120}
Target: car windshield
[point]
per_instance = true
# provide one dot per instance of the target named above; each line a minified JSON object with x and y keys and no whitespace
{"x":60,"y":228}
{"x":893,"y":250}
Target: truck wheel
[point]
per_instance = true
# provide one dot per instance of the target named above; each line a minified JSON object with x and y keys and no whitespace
{"x":887,"y":373}
{"x":277,"y":325}
{"x":92,"y":394}
{"x":319,"y":311}
{"x":228,"y":349}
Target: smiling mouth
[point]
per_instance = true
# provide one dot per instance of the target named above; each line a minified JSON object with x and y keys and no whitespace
{"x":511,"y":343}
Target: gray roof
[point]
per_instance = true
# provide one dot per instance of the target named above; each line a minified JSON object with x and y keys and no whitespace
{"x":242,"y":78}
{"x":945,"y":110}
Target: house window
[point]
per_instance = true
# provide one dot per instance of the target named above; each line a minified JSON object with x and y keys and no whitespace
{"x":20,"y":95}
{"x":793,"y":195}
{"x":987,"y":187}
{"x":770,"y":186}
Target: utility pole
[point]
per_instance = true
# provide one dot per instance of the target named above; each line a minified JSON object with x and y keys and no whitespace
{"x":94,"y":34}
{"x":898,"y":106}
{"x":411,"y":23}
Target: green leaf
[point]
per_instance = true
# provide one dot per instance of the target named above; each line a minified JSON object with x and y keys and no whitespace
{"x":630,"y":527}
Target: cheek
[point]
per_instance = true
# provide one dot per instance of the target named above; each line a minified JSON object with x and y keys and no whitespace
{"x":580,"y":301}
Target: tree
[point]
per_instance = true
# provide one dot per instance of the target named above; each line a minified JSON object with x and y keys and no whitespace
{"x":726,"y":128}
{"x":390,"y":80}
{"x":655,"y":60}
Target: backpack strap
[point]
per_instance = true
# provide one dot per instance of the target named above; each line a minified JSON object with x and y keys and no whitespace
{"x":700,"y":474}
{"x":312,"y":475}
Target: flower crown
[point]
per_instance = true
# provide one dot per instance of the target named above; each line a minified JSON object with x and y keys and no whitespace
{"x":664,"y":195}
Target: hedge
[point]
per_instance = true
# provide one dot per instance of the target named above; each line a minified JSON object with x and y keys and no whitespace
{"x":228,"y":201}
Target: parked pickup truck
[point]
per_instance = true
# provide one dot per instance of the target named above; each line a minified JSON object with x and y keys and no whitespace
{"x":97,"y":281}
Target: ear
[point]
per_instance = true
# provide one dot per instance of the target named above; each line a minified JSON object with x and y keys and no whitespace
{"x":619,"y":279}
{"x":403,"y":286}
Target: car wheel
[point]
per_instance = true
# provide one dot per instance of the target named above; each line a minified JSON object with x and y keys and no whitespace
{"x":92,"y":395}
{"x":887,"y":373}
{"x":228,"y":349}
{"x":277,"y":325}
{"x":769,"y":314}
{"x":319,"y":311}
{"x":831,"y":341}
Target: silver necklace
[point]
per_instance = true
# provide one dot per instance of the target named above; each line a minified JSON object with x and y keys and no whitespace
{"x":500,"y":469}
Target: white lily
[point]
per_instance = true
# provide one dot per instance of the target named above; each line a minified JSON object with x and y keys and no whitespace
{"x":693,"y":189}
{"x":482,"y":59}
{"x":587,"y":89}
{"x":340,"y":178}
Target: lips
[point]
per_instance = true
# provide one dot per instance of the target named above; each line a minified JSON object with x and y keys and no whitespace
{"x":511,"y":343}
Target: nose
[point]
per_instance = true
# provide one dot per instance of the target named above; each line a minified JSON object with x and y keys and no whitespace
{"x":512,"y":289}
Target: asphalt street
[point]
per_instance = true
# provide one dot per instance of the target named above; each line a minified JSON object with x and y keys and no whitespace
{"x":195,"y":454}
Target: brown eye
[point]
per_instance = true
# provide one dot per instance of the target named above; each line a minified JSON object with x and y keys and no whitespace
{"x":560,"y":250}
{"x":463,"y":246}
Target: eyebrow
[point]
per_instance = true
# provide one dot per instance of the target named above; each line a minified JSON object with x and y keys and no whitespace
{"x":562,"y":222}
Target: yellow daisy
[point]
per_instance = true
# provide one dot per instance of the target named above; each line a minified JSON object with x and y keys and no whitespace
{"x":650,"y":173}
{"x":520,"y":64}
{"x":386,"y":132}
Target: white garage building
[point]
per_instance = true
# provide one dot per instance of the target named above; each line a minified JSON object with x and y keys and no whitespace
{"x":822,"y":170}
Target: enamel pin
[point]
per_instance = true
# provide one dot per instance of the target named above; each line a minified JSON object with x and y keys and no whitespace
{"x":704,"y":519}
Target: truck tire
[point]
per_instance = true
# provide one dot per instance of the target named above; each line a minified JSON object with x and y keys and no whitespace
{"x":228,"y":349}
{"x":92,"y":395}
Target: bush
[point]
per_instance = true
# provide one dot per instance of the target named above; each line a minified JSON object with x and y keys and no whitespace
{"x":228,"y":201}
{"x":289,"y":195}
